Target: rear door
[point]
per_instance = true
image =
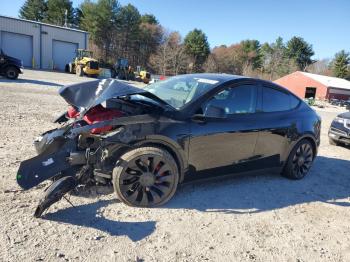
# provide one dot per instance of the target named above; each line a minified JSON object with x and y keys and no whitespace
{"x":278,"y":123}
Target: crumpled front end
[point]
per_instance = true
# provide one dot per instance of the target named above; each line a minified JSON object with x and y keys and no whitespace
{"x":84,"y":147}
{"x":54,"y":150}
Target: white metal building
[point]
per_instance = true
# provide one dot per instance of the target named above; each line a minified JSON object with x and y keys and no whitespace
{"x":40,"y":45}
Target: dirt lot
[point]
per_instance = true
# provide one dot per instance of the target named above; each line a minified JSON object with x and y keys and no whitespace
{"x":254,"y":218}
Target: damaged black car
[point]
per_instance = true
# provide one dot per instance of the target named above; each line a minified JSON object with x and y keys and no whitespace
{"x":145,"y":142}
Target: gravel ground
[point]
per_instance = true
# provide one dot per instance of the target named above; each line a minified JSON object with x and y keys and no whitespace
{"x":251,"y":218}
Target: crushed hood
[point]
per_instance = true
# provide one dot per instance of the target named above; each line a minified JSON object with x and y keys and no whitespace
{"x":89,"y":94}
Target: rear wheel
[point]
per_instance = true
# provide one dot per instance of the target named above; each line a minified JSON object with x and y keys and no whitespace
{"x":145,"y":177}
{"x":11,"y":72}
{"x":79,"y":70}
{"x":113,"y":73}
{"x":93,"y":76}
{"x":71,"y":68}
{"x":299,"y":161}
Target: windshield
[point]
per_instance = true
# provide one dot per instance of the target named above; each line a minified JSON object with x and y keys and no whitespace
{"x":180,"y":90}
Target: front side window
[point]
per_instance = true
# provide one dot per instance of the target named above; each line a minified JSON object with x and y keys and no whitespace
{"x":237,"y":100}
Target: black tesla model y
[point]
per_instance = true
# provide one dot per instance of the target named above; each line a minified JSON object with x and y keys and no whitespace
{"x":145,"y":142}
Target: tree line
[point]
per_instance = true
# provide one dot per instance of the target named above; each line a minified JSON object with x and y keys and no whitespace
{"x":118,"y":31}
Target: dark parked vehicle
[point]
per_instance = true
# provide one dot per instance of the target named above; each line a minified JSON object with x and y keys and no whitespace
{"x":347,"y":104}
{"x":10,"y":67}
{"x":339,"y":131}
{"x":145,"y":142}
{"x":334,"y":101}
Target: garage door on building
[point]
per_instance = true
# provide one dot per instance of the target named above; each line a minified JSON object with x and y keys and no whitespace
{"x":338,"y":93}
{"x":19,"y":46}
{"x":62,"y":53}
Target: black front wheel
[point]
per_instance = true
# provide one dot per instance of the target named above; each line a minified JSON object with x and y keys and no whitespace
{"x":11,"y":72}
{"x":145,"y":177}
{"x":299,"y":161}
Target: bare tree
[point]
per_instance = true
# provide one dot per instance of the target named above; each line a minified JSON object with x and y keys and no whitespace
{"x":321,"y":67}
{"x":170,"y":58}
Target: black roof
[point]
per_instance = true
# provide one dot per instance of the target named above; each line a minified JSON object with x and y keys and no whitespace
{"x":218,"y":77}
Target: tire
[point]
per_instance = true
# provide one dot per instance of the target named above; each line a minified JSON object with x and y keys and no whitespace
{"x":93,"y":76}
{"x":113,"y":73}
{"x":79,"y":70}
{"x":299,"y":161}
{"x":145,"y":177}
{"x":11,"y":72}
{"x":71,"y":68}
{"x":333,"y":142}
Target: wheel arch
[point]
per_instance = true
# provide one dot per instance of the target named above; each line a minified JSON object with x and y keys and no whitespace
{"x":12,"y":65}
{"x":308,"y":137}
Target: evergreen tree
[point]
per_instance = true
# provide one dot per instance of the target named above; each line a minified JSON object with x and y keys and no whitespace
{"x":252,"y":53}
{"x":33,"y":10}
{"x":129,"y":20}
{"x":56,"y":11}
{"x":149,"y":19}
{"x":300,"y":51}
{"x":340,"y":64}
{"x":100,"y":20}
{"x":197,"y":46}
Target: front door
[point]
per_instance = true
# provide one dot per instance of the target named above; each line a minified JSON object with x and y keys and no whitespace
{"x":225,"y":141}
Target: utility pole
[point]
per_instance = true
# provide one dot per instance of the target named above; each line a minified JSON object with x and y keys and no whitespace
{"x":65,"y":18}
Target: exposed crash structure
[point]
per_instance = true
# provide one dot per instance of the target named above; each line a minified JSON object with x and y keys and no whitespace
{"x":100,"y":125}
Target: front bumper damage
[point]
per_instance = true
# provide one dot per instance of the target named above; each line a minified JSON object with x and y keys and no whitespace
{"x":76,"y":155}
{"x":72,"y":151}
{"x":59,"y":150}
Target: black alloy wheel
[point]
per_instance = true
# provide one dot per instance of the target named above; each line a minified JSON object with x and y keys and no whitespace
{"x":300,"y":160}
{"x":145,"y":177}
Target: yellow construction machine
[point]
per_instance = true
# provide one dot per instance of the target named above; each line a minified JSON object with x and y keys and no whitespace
{"x":122,"y":70}
{"x":142,"y":75}
{"x":84,"y":64}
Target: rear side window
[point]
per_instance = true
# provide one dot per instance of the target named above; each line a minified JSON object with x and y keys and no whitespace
{"x":275,"y":100}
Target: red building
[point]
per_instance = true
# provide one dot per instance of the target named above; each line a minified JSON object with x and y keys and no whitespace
{"x":306,"y":85}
